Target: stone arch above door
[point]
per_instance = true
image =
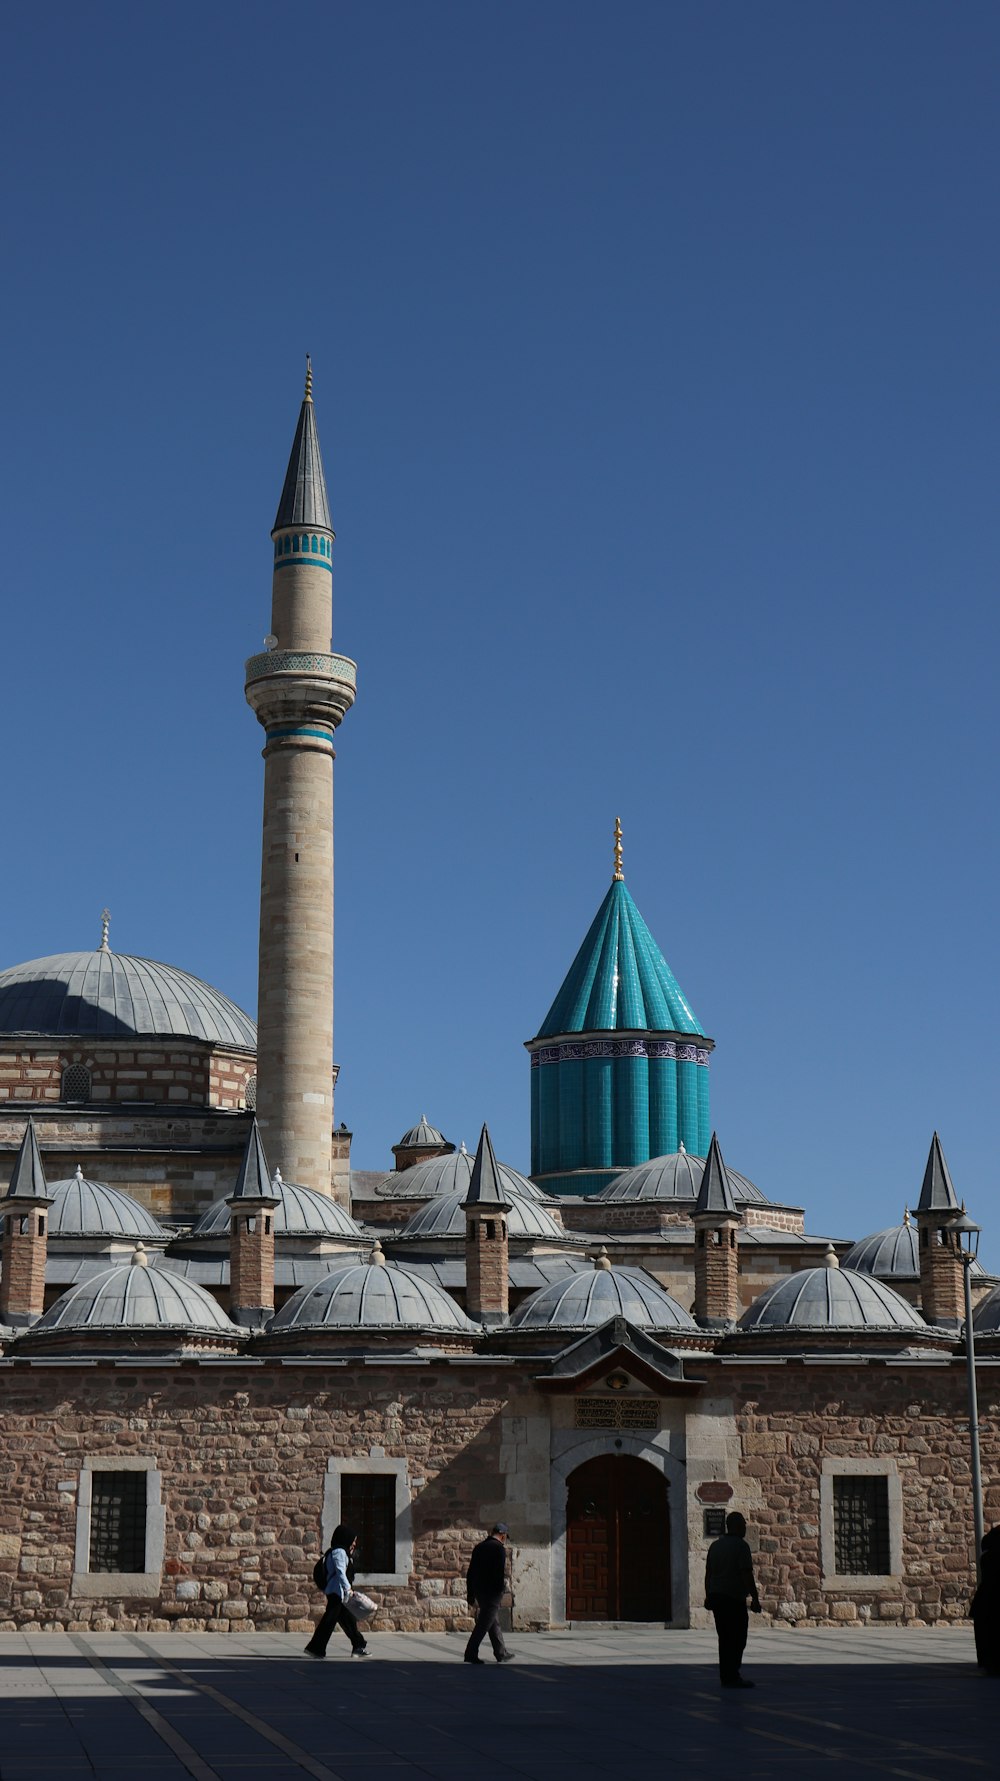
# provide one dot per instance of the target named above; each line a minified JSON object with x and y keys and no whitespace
{"x":571,"y":1449}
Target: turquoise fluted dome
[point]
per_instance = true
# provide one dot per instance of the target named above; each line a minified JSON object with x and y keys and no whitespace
{"x":619,"y":979}
{"x":619,"y":1066}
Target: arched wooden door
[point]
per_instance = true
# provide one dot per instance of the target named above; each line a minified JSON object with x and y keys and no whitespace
{"x":617,"y":1541}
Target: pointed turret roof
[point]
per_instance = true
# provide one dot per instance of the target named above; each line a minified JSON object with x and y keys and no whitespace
{"x":619,"y":978}
{"x":303,"y":498}
{"x":937,"y":1193}
{"x":254,"y":1179}
{"x":715,"y":1193}
{"x":486,"y":1187}
{"x":28,"y":1179}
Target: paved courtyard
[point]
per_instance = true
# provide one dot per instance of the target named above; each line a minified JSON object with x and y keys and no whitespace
{"x":577,"y":1706}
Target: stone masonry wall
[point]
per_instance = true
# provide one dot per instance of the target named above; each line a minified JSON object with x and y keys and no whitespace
{"x":790,"y":1418}
{"x":243,"y":1452}
{"x":179,"y":1073}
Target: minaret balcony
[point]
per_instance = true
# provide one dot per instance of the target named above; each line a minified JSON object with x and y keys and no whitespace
{"x":296,"y":685}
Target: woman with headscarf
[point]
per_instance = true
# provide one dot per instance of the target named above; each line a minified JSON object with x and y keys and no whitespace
{"x":337,"y":1589}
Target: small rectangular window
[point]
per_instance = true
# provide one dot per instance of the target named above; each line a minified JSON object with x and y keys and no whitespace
{"x":118,"y":1522}
{"x":368,"y":1505}
{"x":861,"y":1527}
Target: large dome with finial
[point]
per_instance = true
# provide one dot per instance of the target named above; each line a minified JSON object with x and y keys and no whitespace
{"x":111,"y":995}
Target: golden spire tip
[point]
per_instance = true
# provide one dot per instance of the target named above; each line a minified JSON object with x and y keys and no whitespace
{"x":309,"y":378}
{"x":619,"y":874}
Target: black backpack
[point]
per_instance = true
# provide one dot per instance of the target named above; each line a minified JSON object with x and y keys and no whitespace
{"x":320,"y":1573}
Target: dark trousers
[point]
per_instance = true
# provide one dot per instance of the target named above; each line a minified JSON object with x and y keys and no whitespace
{"x":731,"y":1624}
{"x":487,"y":1621}
{"x":336,"y":1615}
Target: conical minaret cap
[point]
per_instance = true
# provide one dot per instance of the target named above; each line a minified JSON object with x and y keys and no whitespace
{"x":937,"y":1193}
{"x":485,"y":1187}
{"x":303,"y":498}
{"x":715,"y":1194}
{"x":254,"y":1179}
{"x":27,"y":1183}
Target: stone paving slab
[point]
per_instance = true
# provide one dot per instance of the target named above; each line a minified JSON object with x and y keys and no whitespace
{"x":577,"y":1706}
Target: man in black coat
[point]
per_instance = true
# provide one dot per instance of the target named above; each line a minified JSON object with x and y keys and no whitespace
{"x":485,"y":1583}
{"x":729,"y":1579}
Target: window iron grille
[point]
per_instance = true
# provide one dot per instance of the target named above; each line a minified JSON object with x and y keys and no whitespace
{"x":118,"y":1521}
{"x":76,"y":1083}
{"x":861,"y":1527}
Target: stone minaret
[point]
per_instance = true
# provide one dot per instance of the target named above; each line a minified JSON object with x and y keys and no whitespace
{"x":251,"y":1238}
{"x":299,"y":692}
{"x":716,"y":1257}
{"x":942,"y":1287}
{"x":25,"y":1212}
{"x":486,"y":1247}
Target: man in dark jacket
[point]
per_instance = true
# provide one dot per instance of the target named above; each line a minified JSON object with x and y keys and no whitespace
{"x":729,"y":1580}
{"x":485,"y":1582}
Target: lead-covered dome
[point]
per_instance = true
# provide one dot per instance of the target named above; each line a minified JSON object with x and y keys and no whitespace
{"x":587,"y":1300}
{"x":891,"y":1254}
{"x":131,"y":1297}
{"x":300,"y":1212}
{"x":444,"y":1216}
{"x":82,"y":1208}
{"x":375,"y":1295}
{"x":675,"y":1177}
{"x":986,"y":1319}
{"x":830,"y":1299}
{"x":112,"y":995}
{"x":451,"y":1174}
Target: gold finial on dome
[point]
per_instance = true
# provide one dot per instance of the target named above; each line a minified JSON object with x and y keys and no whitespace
{"x":105,"y":925}
{"x":619,"y":874}
{"x":309,"y":378}
{"x":906,"y":1216}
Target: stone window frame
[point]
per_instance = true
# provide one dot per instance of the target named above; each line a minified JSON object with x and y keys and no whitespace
{"x":374,"y":1465}
{"x":860,"y":1467}
{"x":145,"y":1583}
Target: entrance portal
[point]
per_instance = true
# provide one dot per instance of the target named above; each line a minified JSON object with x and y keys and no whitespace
{"x":617,"y":1541}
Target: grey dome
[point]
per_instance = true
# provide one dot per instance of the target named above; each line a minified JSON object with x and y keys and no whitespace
{"x":986,"y":1318}
{"x":890,"y":1255}
{"x":451,"y":1174}
{"x":586,"y":1300}
{"x":300,"y":1212}
{"x":422,"y":1136}
{"x":110,"y":995}
{"x":128,"y":1297}
{"x":675,"y":1177}
{"x":82,"y":1208}
{"x":372,"y":1296}
{"x":831,"y":1299}
{"x":444,"y":1216}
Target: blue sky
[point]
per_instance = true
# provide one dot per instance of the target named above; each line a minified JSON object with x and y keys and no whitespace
{"x":656,"y":374}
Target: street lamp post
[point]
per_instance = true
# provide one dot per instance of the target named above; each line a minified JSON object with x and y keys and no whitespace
{"x":967,"y":1236}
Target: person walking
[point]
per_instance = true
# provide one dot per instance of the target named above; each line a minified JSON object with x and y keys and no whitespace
{"x":337,"y":1589}
{"x":729,"y":1580}
{"x":985,"y":1605}
{"x":485,"y":1582}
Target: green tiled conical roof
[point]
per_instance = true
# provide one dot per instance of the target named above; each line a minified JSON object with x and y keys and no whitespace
{"x":619,"y":979}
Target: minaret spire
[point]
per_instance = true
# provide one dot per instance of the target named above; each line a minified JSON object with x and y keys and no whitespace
{"x":299,"y":691}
